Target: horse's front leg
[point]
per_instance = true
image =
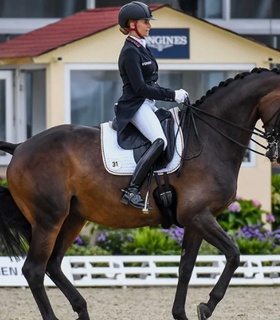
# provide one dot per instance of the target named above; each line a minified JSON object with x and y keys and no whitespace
{"x":209,"y":229}
{"x":190,"y":247}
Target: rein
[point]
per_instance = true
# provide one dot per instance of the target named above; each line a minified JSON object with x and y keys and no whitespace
{"x":183,"y":125}
{"x":195,"y":111}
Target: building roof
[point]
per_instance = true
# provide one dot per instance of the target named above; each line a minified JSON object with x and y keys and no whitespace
{"x":63,"y":32}
{"x":71,"y":29}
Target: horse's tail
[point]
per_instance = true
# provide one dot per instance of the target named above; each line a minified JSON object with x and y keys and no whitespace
{"x":8,"y":147}
{"x":15,"y":230}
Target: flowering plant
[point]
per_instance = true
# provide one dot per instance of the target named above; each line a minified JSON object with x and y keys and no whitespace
{"x":242,"y":212}
{"x":177,"y":234}
{"x":275,"y":199}
{"x":112,"y":240}
{"x":82,"y":247}
{"x":3,"y":182}
{"x":257,"y":240}
{"x":151,"y":241}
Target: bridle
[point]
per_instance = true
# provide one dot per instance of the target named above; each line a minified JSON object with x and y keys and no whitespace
{"x":272,"y":137}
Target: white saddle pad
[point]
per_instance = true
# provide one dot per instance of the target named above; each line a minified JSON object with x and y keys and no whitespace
{"x":119,"y":161}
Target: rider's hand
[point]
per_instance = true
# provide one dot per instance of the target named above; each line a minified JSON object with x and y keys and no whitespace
{"x":181,"y":95}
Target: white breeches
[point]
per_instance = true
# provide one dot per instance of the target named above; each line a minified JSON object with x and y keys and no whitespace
{"x":147,"y":122}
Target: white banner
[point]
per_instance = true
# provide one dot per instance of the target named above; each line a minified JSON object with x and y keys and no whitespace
{"x":11,"y":273}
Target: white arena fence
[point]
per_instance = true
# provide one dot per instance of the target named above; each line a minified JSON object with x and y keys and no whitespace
{"x":106,"y":271}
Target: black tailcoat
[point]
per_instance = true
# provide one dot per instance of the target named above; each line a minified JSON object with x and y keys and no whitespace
{"x":139,"y":72}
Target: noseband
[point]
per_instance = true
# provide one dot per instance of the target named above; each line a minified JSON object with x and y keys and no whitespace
{"x":273,"y":137}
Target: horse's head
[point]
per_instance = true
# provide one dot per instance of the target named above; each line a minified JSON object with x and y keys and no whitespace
{"x":270,"y":116}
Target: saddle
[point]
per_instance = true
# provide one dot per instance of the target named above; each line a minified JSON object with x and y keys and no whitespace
{"x":165,"y":194}
{"x":167,"y":123}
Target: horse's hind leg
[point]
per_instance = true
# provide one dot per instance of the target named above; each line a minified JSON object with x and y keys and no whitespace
{"x":190,"y":247}
{"x":43,"y":238}
{"x":69,"y":231}
{"x":209,"y":229}
{"x":46,"y":212}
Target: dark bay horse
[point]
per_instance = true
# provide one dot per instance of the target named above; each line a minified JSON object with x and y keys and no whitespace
{"x":57,"y":182}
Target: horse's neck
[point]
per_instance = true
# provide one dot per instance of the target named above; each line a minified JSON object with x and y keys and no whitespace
{"x":243,"y":97}
{"x":238,"y":108}
{"x":219,"y":145}
{"x":232,"y":108}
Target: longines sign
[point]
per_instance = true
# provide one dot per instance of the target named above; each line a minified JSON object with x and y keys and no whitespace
{"x":169,"y":43}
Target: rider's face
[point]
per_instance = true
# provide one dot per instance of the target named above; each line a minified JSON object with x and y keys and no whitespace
{"x":143,"y":27}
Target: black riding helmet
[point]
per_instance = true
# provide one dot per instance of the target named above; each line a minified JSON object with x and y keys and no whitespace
{"x":134,"y":10}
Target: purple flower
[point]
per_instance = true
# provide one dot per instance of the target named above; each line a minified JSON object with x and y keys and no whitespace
{"x":270,"y":217}
{"x":255,"y":232}
{"x":234,"y":207}
{"x":176,"y":233}
{"x":101,"y":237}
{"x":256,"y":203}
{"x":78,"y":241}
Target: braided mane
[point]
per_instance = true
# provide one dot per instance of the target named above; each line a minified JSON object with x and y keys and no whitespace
{"x":228,"y":81}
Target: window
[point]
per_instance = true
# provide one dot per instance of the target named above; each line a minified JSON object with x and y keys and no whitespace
{"x":116,"y":3}
{"x":2,"y":111}
{"x":93,"y":93}
{"x":210,"y":9}
{"x":40,"y":8}
{"x":6,"y":112}
{"x":267,"y":39}
{"x":35,"y":101}
{"x":6,"y":37}
{"x":255,"y":9}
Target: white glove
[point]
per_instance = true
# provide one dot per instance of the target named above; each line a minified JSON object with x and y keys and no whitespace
{"x":181,"y":95}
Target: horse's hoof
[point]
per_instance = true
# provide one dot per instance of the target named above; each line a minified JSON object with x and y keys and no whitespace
{"x":203,"y":311}
{"x":181,"y":318}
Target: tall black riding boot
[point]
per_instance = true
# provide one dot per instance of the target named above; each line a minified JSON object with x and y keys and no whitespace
{"x":132,"y":194}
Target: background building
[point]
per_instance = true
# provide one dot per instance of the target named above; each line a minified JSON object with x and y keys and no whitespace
{"x":259,"y":19}
{"x":66,"y":70}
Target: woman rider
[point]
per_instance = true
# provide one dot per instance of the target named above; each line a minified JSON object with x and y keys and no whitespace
{"x":135,"y":109}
